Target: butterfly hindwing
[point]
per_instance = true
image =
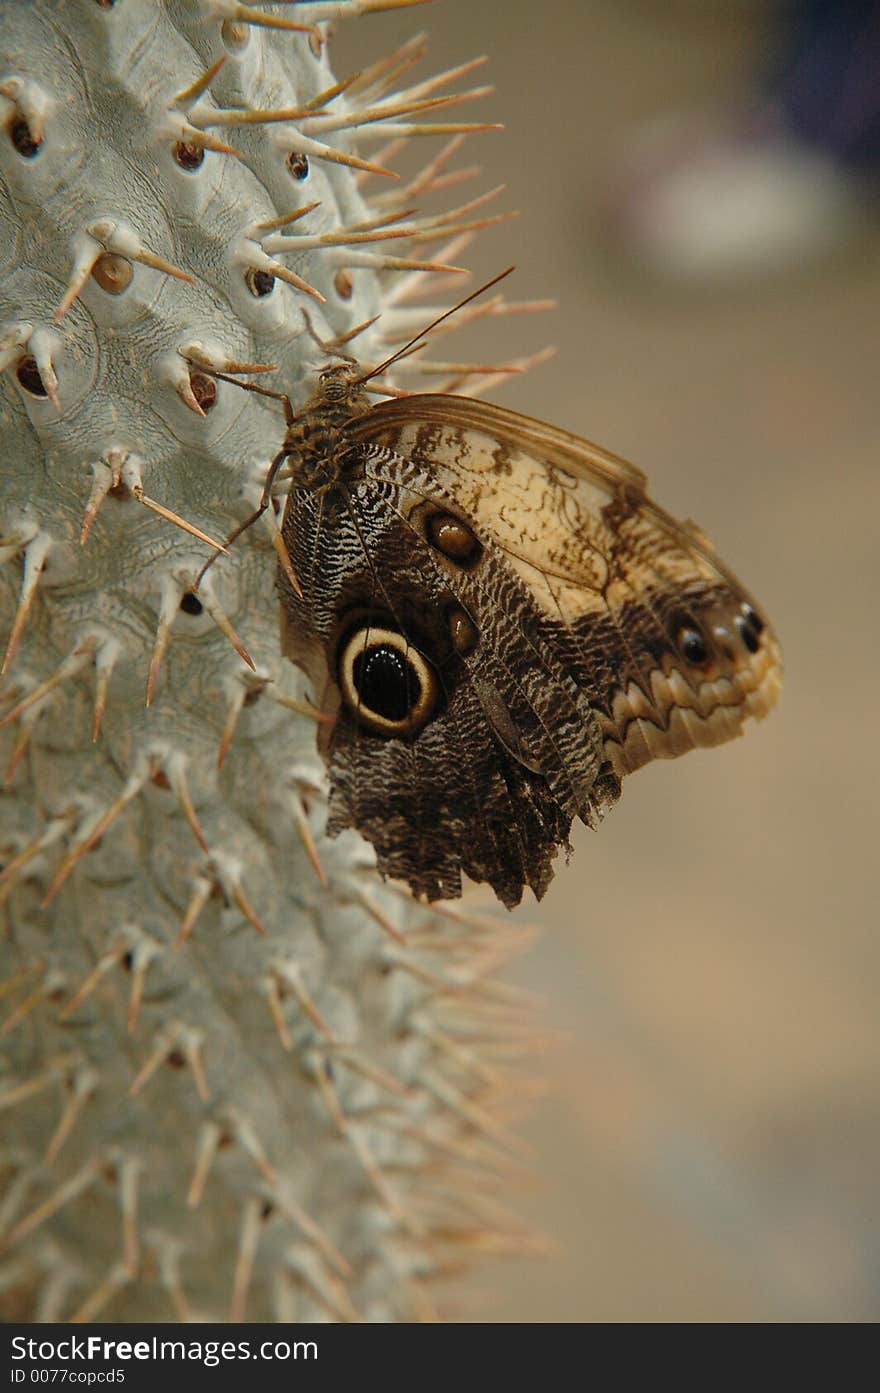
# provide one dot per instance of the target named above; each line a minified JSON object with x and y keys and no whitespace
{"x":510,"y":753}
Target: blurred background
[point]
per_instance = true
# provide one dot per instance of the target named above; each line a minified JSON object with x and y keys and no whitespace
{"x":709,"y":1148}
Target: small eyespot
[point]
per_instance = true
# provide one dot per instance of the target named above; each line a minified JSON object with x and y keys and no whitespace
{"x":462,"y":631}
{"x":112,"y":273}
{"x":692,"y":646}
{"x":259,"y":283}
{"x":298,"y":165}
{"x":316,"y":43}
{"x":343,"y":285}
{"x":204,"y":389}
{"x":28,"y":375}
{"x":191,"y":604}
{"x":390,"y":687}
{"x":189,"y":155}
{"x":747,"y":634}
{"x":752,"y":618}
{"x":453,"y":538}
{"x":234,"y":35}
{"x":22,"y":139}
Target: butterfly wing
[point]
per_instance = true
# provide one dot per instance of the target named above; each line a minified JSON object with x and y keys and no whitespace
{"x":497,"y":616}
{"x":672,"y":650}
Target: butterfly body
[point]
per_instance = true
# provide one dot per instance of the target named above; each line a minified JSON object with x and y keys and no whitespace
{"x":501,"y":625}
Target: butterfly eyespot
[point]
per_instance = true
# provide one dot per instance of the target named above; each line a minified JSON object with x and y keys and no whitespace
{"x":343,"y":285}
{"x":298,"y":165}
{"x":389,"y":687}
{"x":454,"y":539}
{"x":748,"y":634}
{"x":692,"y":646}
{"x":752,"y":618}
{"x":112,"y":273}
{"x":259,"y":283}
{"x":462,"y":631}
{"x":29,"y":378}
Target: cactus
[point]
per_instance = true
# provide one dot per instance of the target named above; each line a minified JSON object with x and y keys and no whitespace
{"x":241,"y":1076}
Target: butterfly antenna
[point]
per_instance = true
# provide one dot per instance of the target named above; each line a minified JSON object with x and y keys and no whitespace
{"x":409,"y":347}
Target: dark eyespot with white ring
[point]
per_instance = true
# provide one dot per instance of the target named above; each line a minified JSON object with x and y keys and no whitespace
{"x":453,"y":538}
{"x":390,"y":687}
{"x":692,"y":646}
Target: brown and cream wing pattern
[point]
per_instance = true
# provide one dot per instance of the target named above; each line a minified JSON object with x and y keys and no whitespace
{"x":670,"y":649}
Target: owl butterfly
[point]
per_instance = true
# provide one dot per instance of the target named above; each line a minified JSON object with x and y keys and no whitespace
{"x":501,"y":624}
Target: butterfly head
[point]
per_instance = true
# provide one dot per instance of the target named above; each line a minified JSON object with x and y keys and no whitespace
{"x":337,"y":382}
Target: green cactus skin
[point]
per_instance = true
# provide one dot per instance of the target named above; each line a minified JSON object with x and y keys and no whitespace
{"x":241,"y":1077}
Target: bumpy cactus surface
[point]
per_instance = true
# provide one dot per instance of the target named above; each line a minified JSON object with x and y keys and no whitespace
{"x":241,"y":1076}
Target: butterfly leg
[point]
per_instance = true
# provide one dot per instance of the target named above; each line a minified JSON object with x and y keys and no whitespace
{"x":265,"y":500}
